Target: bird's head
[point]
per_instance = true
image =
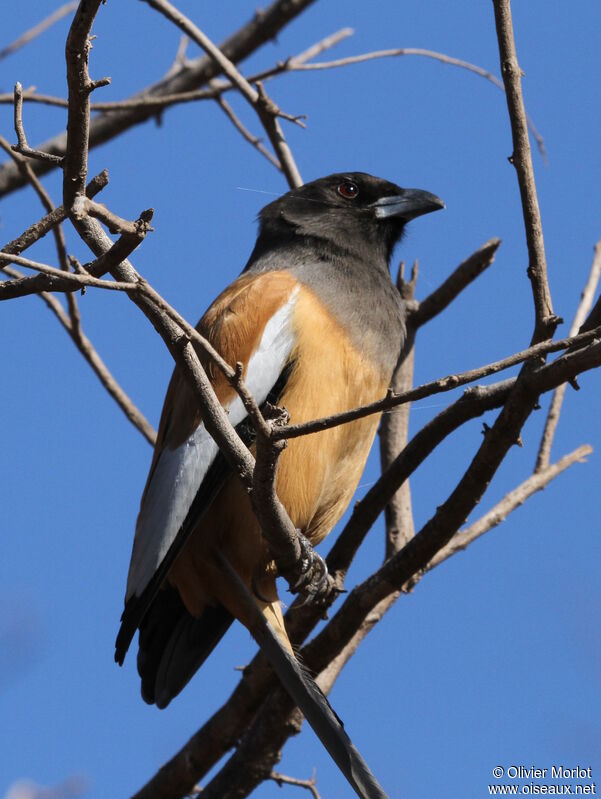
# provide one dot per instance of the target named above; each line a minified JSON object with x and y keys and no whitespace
{"x":352,"y":209}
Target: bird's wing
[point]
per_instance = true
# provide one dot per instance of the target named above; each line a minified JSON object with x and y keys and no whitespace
{"x":249,"y":322}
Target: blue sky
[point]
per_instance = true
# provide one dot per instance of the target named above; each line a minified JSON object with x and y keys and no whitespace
{"x":495,"y":658}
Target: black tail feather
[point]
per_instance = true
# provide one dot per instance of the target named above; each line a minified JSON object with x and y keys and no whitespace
{"x":174,"y":644}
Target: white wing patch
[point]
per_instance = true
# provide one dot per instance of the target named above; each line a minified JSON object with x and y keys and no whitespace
{"x":179,"y":473}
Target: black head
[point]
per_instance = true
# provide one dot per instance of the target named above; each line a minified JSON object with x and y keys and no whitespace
{"x":352,"y":209}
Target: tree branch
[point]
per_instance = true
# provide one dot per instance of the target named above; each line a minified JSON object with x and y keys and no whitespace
{"x":278,"y":720}
{"x":458,"y":280}
{"x":537,"y":482}
{"x":546,"y":321}
{"x":310,"y":785}
{"x":246,"y":134}
{"x":267,"y":111}
{"x":22,"y":147}
{"x":226,"y":726}
{"x":439,"y":386}
{"x":262,"y":28}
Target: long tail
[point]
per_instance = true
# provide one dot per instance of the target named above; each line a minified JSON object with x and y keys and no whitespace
{"x":307,"y":695}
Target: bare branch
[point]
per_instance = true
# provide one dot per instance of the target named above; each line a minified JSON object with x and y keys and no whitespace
{"x":584,"y":306}
{"x":59,"y":237}
{"x":394,"y":427}
{"x":114,"y":223}
{"x":310,"y":785}
{"x":296,"y":65}
{"x":71,"y":281}
{"x":262,"y":28}
{"x":38,"y":29}
{"x":439,"y":386}
{"x":39,"y":229}
{"x":254,"y":140}
{"x":546,"y":321}
{"x":537,"y":482}
{"x":193,"y":32}
{"x":458,"y":280}
{"x":65,"y":282}
{"x":22,"y":146}
{"x":322,"y":45}
{"x":87,"y":349}
{"x":277,"y":720}
{"x":266,"y":109}
{"x":150,"y":102}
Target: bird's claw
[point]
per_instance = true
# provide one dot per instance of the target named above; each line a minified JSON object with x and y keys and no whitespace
{"x":313,"y":583}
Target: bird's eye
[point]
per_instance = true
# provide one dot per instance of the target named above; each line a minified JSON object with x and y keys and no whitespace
{"x":348,"y":190}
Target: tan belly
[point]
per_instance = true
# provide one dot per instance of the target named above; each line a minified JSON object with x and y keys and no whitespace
{"x":317,"y":474}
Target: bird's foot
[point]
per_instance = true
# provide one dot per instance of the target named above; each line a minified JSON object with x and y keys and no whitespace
{"x":313,"y":583}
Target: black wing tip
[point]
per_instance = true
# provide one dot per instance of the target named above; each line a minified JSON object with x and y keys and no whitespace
{"x":122,"y":643}
{"x":127,"y":630}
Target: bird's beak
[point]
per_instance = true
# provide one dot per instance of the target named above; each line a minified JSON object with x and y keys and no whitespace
{"x":408,"y":205}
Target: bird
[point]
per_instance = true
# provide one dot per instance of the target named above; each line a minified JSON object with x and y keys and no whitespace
{"x":318,"y":325}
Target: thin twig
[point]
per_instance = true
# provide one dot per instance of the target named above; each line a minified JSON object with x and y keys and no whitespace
{"x":69,"y":281}
{"x":584,"y":306}
{"x":537,"y":482}
{"x":327,"y":43}
{"x":22,"y":146}
{"x":180,"y":60}
{"x":87,"y":349}
{"x":310,"y":785}
{"x":39,"y":229}
{"x":441,"y":385}
{"x":114,"y":223}
{"x":266,"y":109}
{"x":225,"y":65}
{"x":146,"y":100}
{"x":295,"y":64}
{"x":458,"y":280}
{"x":38,"y":29}
{"x":254,"y":140}
{"x":59,"y":236}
